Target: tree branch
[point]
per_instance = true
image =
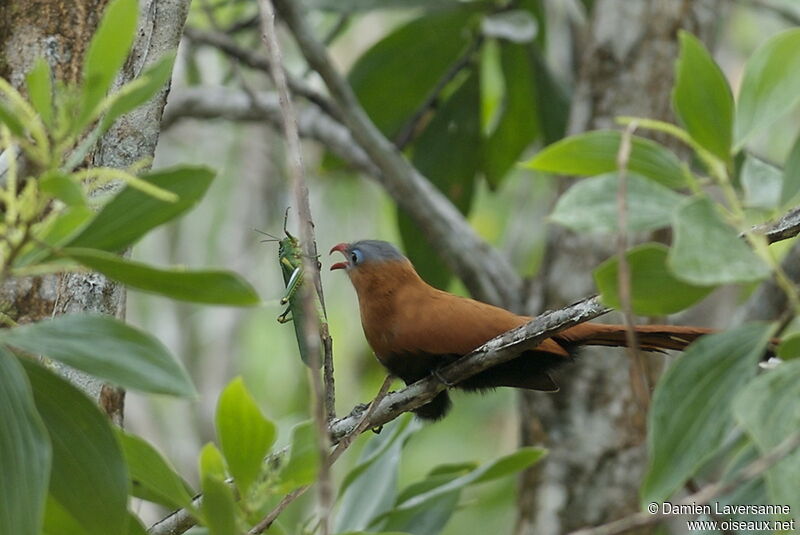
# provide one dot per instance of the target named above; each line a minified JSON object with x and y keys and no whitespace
{"x":248,"y":58}
{"x":217,"y":102}
{"x":485,"y":272}
{"x":387,"y":407}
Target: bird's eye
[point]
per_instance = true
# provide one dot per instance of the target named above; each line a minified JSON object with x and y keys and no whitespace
{"x":356,"y":256}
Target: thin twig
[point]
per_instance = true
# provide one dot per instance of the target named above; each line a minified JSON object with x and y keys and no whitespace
{"x":231,"y":48}
{"x":703,"y":496}
{"x":364,"y":424}
{"x":485,"y":272}
{"x":273,"y":515}
{"x":496,"y":351}
{"x":638,"y":377}
{"x":311,"y":329}
{"x":406,"y":133}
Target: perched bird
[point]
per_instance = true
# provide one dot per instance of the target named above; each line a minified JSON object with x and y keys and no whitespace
{"x":415,"y":329}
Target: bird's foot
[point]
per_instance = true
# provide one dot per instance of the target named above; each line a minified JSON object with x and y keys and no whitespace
{"x":445,"y":382}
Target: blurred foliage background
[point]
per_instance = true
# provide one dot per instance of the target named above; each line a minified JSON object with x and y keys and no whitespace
{"x":251,"y":192}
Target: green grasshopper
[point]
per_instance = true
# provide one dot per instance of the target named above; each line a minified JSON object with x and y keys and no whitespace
{"x":290,"y":257}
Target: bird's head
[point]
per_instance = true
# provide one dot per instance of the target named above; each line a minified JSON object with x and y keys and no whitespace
{"x":366,"y":253}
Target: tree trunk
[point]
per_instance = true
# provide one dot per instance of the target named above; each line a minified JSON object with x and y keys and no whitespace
{"x":593,"y":427}
{"x":60,"y":32}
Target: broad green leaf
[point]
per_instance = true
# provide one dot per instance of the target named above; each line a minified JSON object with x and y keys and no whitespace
{"x":702,"y":98}
{"x":304,"y":458}
{"x":89,"y":478}
{"x":244,"y":434}
{"x":791,"y":174}
{"x":655,"y":291}
{"x":448,"y":154}
{"x":40,"y":90}
{"x":106,"y":54}
{"x":769,"y":409}
{"x":25,"y":452}
{"x":10,"y":119}
{"x":136,"y":93}
{"x":761,"y":182}
{"x":59,"y":521}
{"x":151,"y":472}
{"x":107,"y":348}
{"x":707,"y":251}
{"x":552,"y":98}
{"x":518,"y":124}
{"x":196,"y":286}
{"x":433,"y":515}
{"x":60,"y":186}
{"x":219,"y":507}
{"x":131,"y":214}
{"x":427,"y":47}
{"x":54,"y":232}
{"x":690,"y":413}
{"x":510,"y":464}
{"x":595,"y":153}
{"x":369,"y":489}
{"x":771,"y":84}
{"x":790,"y":347}
{"x":135,"y":526}
{"x":590,"y":205}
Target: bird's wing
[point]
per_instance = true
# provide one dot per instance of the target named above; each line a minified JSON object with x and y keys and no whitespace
{"x":436,"y":322}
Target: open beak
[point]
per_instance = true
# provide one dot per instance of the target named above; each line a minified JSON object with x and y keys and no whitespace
{"x":342,"y":248}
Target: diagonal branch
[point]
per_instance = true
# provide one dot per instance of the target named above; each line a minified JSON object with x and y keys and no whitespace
{"x":485,"y":272}
{"x":390,"y":406}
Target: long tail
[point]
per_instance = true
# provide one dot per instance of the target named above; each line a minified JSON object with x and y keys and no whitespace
{"x":650,"y":337}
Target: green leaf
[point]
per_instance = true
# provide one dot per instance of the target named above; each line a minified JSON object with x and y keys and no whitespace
{"x":518,"y":125}
{"x":771,"y":85}
{"x":590,"y":205}
{"x":55,"y":231}
{"x":304,"y":458}
{"x":135,"y":526}
{"x":89,"y":479}
{"x":25,"y":452}
{"x":151,"y":472}
{"x":707,"y":251}
{"x":791,"y":174}
{"x":244,"y":434}
{"x":201,"y":286}
{"x":219,"y":507}
{"x":655,"y":291}
{"x":131,"y":214}
{"x":790,"y":347}
{"x":431,"y":516}
{"x":107,"y":348}
{"x":702,"y":98}
{"x":595,"y":153}
{"x":106,"y":54}
{"x":510,"y":464}
{"x":369,"y":489}
{"x":59,"y":185}
{"x":427,"y":47}
{"x":762,"y":183}
{"x":10,"y":119}
{"x":769,"y":409}
{"x":448,"y":154}
{"x":40,"y":90}
{"x":136,"y":93}
{"x":690,"y":414}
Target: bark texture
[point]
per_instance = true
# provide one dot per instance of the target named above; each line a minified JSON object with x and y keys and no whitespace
{"x":593,"y":427}
{"x":60,"y":31}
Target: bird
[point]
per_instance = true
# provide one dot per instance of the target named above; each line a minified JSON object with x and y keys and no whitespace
{"x":415,"y":329}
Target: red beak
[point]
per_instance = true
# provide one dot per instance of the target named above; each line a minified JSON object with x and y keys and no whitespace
{"x":342,"y":248}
